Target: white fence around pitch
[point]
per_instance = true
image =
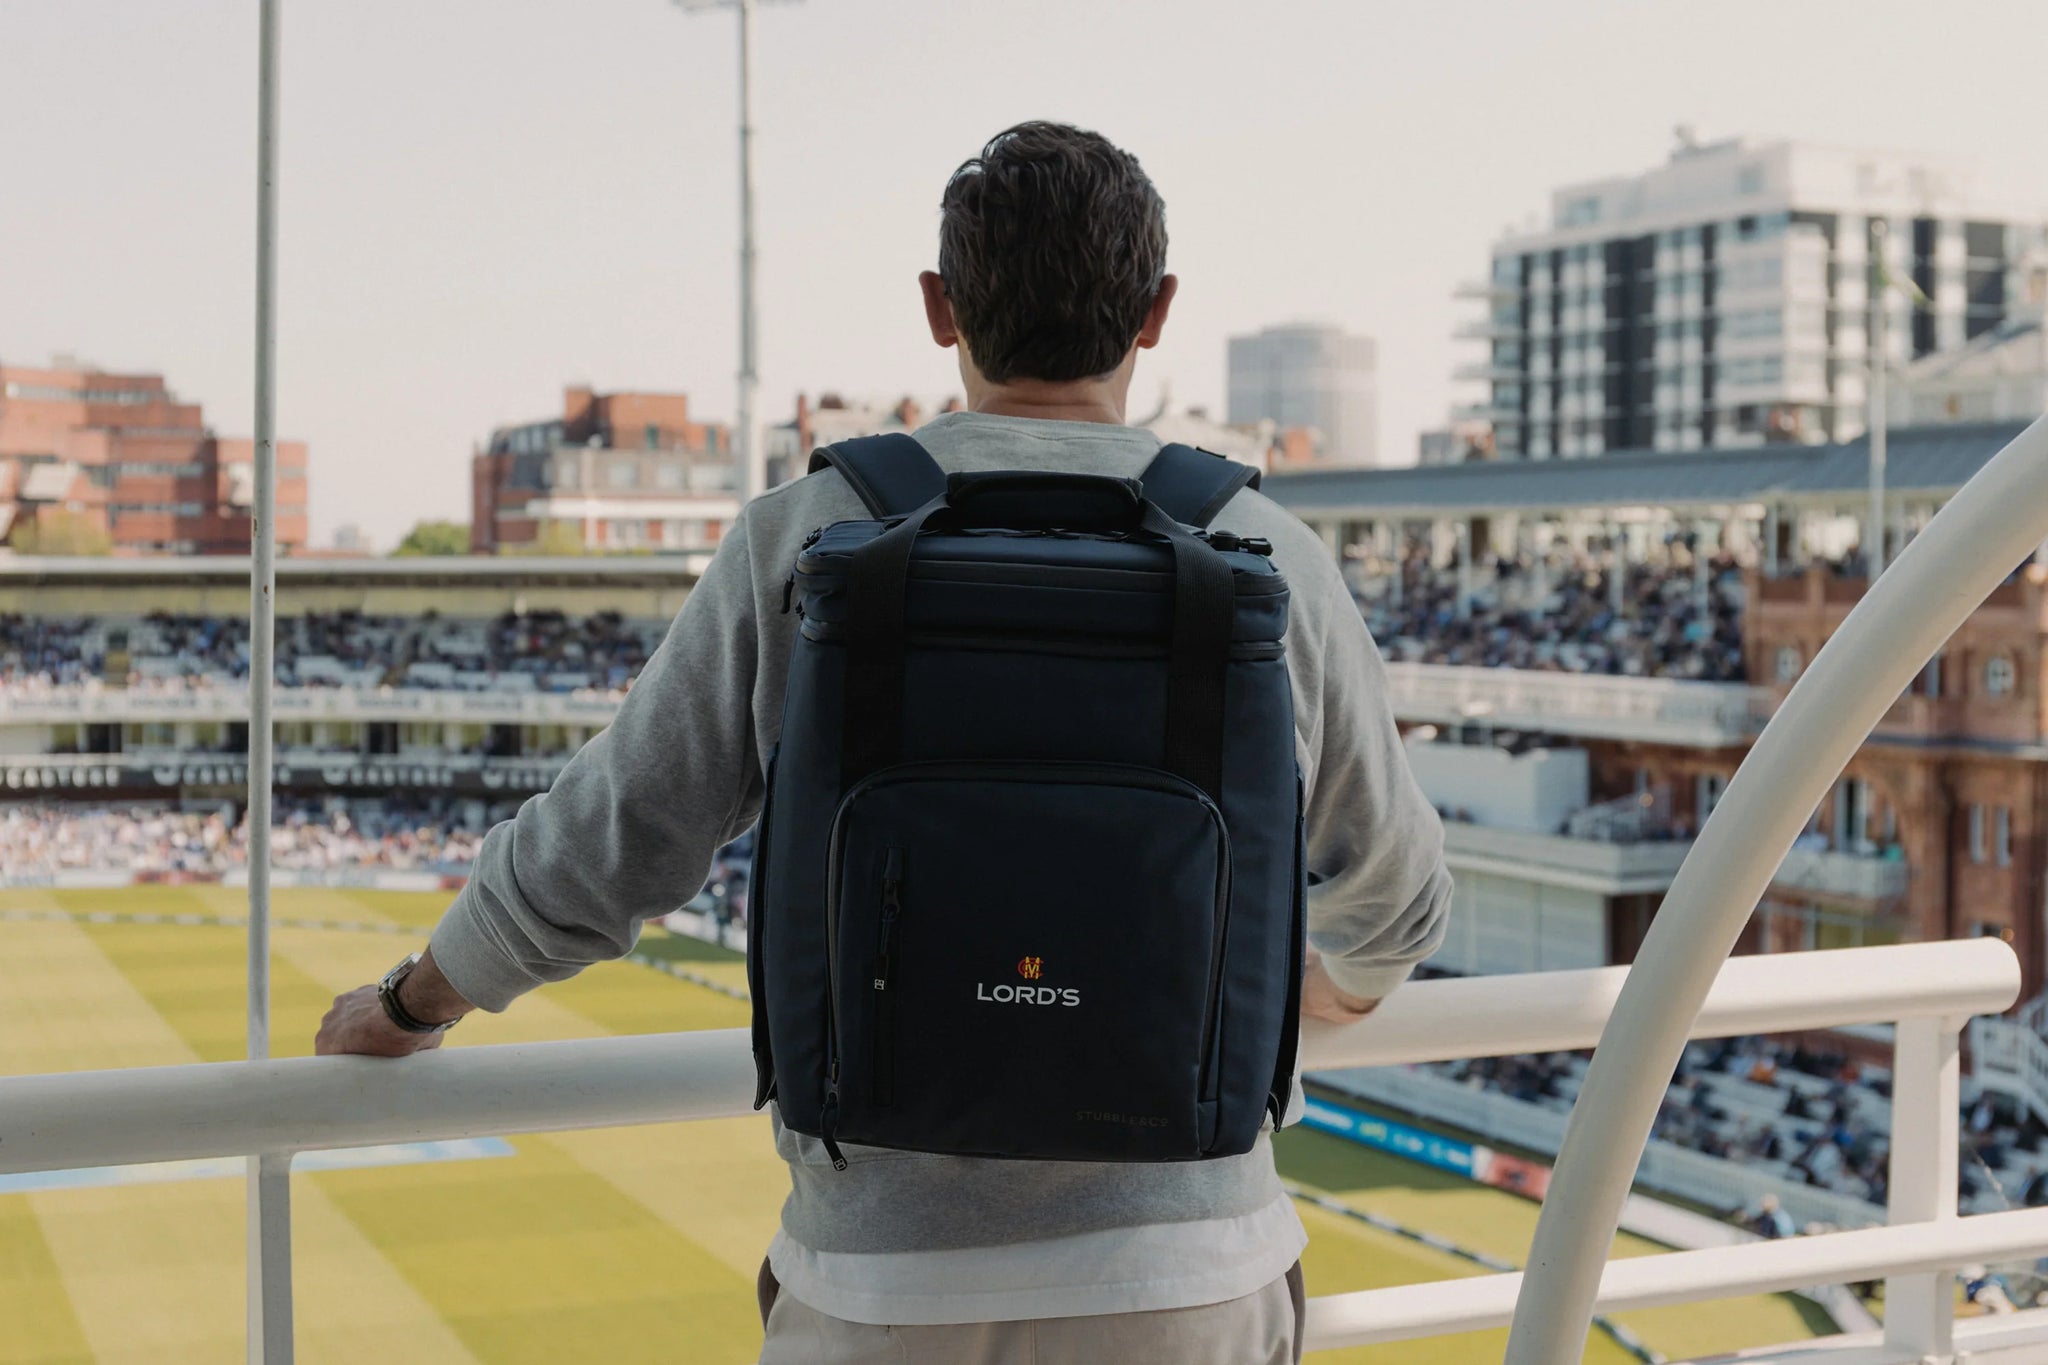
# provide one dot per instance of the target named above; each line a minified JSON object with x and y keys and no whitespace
{"x":1661,"y":709}
{"x":279,"y":1108}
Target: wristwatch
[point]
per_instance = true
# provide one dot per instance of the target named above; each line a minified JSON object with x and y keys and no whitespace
{"x":387,"y":996}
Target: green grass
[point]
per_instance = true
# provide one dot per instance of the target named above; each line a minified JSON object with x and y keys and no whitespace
{"x":622,"y":1245}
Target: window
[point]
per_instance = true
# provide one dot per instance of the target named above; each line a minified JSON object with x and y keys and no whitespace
{"x":1999,"y":676}
{"x":669,"y":474}
{"x":1749,"y":180}
{"x":1789,"y":662}
{"x":652,"y":437}
{"x":1707,"y":789}
{"x":1976,"y":834}
{"x":1584,"y":209}
{"x":2004,"y":840}
{"x":1930,"y":678}
{"x":621,"y":474}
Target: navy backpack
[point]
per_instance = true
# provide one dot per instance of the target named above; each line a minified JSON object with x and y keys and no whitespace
{"x":1030,"y":873}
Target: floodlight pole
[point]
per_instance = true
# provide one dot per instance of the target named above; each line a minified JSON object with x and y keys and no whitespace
{"x":1880,"y":347}
{"x":748,"y":467}
{"x":751,"y":472}
{"x":269,"y":1187}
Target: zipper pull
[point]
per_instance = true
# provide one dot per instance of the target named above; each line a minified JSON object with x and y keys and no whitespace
{"x":788,"y":592}
{"x":828,"y":1125}
{"x":892,"y":906}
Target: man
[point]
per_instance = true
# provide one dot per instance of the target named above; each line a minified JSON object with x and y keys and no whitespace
{"x":1051,"y":278}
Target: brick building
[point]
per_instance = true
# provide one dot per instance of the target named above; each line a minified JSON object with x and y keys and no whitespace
{"x":1572,"y":797}
{"x":123,"y":453}
{"x":1937,"y":823}
{"x":618,"y":471}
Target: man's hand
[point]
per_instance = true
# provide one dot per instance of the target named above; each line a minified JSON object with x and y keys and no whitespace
{"x":1320,"y":998}
{"x":358,"y":1024}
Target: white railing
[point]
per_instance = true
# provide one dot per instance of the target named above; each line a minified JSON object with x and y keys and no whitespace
{"x":228,"y":702}
{"x":274,"y":1109}
{"x":1616,"y":869}
{"x":1662,"y":709}
{"x":1863,"y":876}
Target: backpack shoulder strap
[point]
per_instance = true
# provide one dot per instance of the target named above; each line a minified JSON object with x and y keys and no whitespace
{"x":1192,"y":485}
{"x":892,"y":473}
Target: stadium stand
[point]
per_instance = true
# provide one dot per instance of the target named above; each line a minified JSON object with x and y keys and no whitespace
{"x":1558,"y":615}
{"x":525,"y":652}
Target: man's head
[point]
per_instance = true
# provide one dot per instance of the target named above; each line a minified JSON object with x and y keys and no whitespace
{"x":1052,"y":259}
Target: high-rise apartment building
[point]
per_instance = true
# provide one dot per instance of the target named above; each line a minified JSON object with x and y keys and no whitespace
{"x":1313,"y":376}
{"x":616,"y":471}
{"x":1724,"y":298}
{"x":123,"y":454}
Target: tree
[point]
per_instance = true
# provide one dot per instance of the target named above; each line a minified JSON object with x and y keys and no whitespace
{"x":433,"y":538}
{"x":60,"y":531}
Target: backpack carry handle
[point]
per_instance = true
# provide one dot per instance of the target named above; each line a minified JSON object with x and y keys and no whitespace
{"x":1039,"y":501}
{"x":1198,"y":652}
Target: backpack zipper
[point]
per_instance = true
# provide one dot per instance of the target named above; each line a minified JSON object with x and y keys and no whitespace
{"x":884,"y":1067}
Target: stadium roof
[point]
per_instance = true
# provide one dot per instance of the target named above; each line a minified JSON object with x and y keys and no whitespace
{"x":422,"y":571}
{"x":1931,"y":460}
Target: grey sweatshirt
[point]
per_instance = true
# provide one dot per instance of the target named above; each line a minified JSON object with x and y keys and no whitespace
{"x":629,"y":828}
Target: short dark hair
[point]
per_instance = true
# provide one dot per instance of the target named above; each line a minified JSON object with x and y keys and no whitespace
{"x":1052,"y":244}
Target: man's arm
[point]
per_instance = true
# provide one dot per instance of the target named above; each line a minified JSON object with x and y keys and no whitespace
{"x":627,"y":831}
{"x":1379,"y":892}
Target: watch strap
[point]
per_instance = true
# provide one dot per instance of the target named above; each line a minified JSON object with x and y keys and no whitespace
{"x":395,"y":1010}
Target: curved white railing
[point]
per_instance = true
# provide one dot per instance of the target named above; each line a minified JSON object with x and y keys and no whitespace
{"x":276,"y":1108}
{"x":1997,"y":520}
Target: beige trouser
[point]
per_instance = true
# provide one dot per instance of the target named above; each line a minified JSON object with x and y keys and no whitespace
{"x":1262,"y":1328}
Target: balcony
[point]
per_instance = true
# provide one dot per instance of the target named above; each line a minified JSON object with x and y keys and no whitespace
{"x":1610,"y":869}
{"x":230,"y":702}
{"x":1841,"y":876}
{"x":473,"y":773}
{"x":274,"y":1110}
{"x":1662,"y":710}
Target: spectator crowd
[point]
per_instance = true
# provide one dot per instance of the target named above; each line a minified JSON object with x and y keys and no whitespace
{"x":533,"y":651}
{"x":1675,"y":619}
{"x":1807,"y":1115}
{"x":39,"y":839}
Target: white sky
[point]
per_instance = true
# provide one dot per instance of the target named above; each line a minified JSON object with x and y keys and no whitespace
{"x":485,"y":199}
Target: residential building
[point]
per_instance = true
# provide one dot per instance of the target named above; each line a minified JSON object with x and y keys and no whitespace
{"x":835,"y":418}
{"x":124,"y":453}
{"x":1454,"y":444}
{"x":1310,"y":375}
{"x":1723,"y":299}
{"x":2002,"y":376}
{"x":616,"y":471}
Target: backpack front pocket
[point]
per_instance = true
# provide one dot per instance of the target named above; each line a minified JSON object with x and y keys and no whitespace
{"x":1026,"y":959}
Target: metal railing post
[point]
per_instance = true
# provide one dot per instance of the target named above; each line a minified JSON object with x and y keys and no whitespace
{"x":1919,"y":1310}
{"x":269,"y":1183}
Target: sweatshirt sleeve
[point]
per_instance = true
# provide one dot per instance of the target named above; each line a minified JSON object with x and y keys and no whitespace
{"x":628,"y":830}
{"x":1379,"y":892}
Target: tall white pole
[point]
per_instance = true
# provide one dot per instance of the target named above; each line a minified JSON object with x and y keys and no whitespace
{"x":747,"y":438}
{"x":269,"y":1189}
{"x":1880,"y":356}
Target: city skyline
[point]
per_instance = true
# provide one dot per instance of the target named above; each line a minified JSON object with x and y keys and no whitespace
{"x":451,"y":256}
